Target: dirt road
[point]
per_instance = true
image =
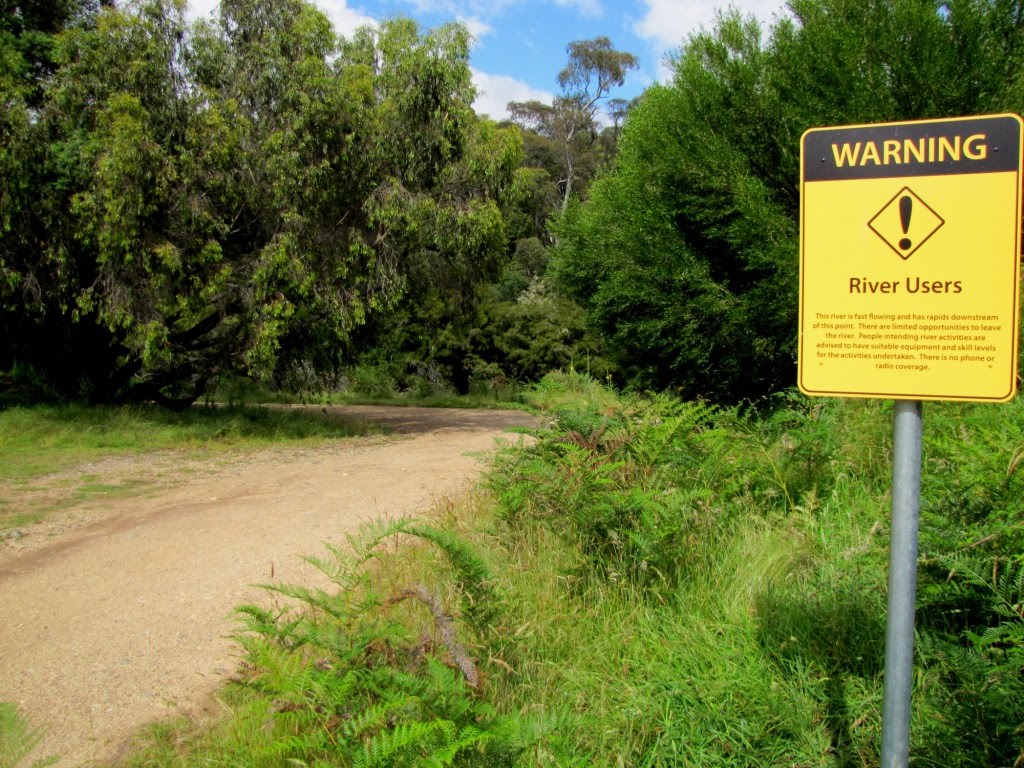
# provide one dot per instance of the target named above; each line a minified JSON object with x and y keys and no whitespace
{"x":120,"y":615}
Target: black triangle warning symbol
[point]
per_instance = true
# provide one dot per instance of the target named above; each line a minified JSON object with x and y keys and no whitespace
{"x":905,"y":223}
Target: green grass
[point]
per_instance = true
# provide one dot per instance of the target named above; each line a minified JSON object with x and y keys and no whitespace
{"x":18,"y":520}
{"x":709,"y":674}
{"x":42,"y":440}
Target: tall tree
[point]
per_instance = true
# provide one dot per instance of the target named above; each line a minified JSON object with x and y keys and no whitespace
{"x":27,"y":34}
{"x":594,"y":68}
{"x":238,"y":196}
{"x":686,"y":254}
{"x":28,"y":31}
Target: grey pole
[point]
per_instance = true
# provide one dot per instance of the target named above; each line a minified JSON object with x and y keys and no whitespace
{"x":899,"y":626}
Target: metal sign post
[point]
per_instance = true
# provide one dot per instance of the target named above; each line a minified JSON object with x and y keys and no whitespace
{"x":910,"y":290}
{"x":899,"y":625}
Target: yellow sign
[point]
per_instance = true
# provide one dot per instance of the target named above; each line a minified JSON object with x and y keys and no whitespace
{"x":910,"y":259}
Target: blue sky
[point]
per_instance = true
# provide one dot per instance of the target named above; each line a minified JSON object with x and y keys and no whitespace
{"x":520,"y":44}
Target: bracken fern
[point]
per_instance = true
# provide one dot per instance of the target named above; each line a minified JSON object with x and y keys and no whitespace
{"x":350,"y":685}
{"x":18,"y":740}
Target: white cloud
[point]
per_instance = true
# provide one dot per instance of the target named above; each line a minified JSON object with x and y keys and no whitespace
{"x":491,"y":9}
{"x":494,"y":92}
{"x":483,"y":8}
{"x":345,"y":20}
{"x":669,"y":22}
{"x":477,"y":27}
{"x":201,"y":9}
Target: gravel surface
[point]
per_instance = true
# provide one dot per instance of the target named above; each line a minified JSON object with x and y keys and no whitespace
{"x":117,"y":613}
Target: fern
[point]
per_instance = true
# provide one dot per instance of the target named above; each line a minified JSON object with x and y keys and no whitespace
{"x":984,"y":672}
{"x":377,"y":716}
{"x":307,"y":741}
{"x":282,"y":672}
{"x":347,"y":685}
{"x":481,"y":602}
{"x":393,"y":748}
{"x":995,"y":587}
{"x":18,"y":740}
{"x":469,"y":737}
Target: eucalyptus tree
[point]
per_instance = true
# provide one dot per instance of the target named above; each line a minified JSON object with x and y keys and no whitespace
{"x":28,"y":32}
{"x":27,"y":36}
{"x":594,"y":68}
{"x":238,"y":195}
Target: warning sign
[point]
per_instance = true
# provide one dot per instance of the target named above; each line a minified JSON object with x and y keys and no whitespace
{"x":905,"y":223}
{"x":910,"y":259}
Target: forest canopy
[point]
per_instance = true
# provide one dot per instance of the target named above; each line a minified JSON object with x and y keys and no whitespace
{"x":186,"y":201}
{"x":253,"y":196}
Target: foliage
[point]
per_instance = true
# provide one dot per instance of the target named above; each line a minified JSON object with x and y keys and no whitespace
{"x":570,"y":122}
{"x":372,"y":382}
{"x":561,"y":390}
{"x":972,"y":582}
{"x":27,"y":32}
{"x":18,"y":740}
{"x":630,"y":484}
{"x":352,"y":679}
{"x":519,"y":331}
{"x":526,"y":267}
{"x":641,"y":485}
{"x":526,"y":338}
{"x":980,"y":674}
{"x":534,"y":334}
{"x":685,"y":252}
{"x":235,"y":197}
{"x":535,"y":194}
{"x":773,"y":603}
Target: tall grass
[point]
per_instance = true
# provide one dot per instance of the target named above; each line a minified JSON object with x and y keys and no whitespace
{"x":771,"y":591}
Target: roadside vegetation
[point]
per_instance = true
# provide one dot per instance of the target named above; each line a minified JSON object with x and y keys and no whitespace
{"x":378,"y":385}
{"x":652,"y":582}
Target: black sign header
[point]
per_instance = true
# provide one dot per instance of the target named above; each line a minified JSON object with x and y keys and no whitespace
{"x":924,"y":148}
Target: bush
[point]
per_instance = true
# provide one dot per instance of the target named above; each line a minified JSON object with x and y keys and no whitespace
{"x":371,"y":381}
{"x":611,"y":480}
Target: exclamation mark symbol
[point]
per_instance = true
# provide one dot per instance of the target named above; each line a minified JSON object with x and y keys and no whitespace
{"x":906,"y":211}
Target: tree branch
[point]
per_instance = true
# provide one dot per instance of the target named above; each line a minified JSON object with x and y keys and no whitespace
{"x":445,"y":625}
